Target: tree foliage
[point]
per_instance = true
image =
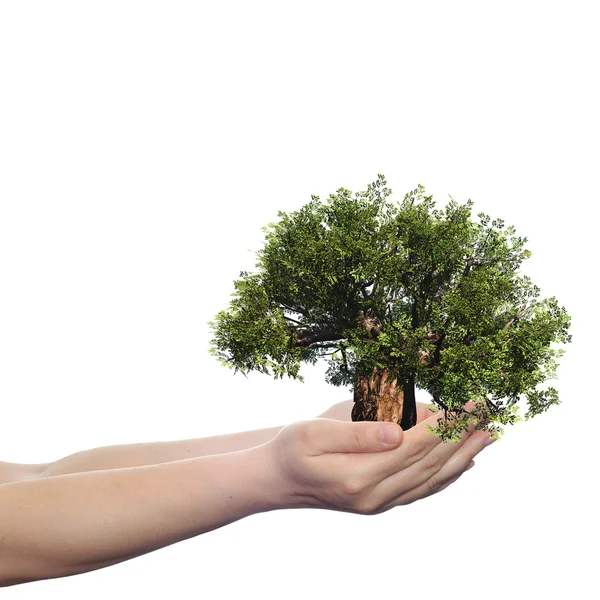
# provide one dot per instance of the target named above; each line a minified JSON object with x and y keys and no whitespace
{"x":431,"y":295}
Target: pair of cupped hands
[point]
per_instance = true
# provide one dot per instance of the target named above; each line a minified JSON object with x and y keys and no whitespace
{"x":333,"y":463}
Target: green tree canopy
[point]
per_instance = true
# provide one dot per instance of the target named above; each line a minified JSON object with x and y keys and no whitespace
{"x":429,"y":294}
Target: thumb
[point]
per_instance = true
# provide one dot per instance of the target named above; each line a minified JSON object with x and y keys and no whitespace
{"x":359,"y":436}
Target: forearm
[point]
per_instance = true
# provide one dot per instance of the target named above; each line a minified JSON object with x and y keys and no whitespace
{"x":69,"y":524}
{"x":152,"y":453}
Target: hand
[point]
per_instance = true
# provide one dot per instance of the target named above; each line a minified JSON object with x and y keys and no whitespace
{"x":342,"y":411}
{"x":343,"y":466}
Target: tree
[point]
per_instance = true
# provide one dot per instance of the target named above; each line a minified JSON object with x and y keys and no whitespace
{"x":398,"y":296}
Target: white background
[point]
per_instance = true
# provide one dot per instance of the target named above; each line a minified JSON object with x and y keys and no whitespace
{"x":142,"y":147}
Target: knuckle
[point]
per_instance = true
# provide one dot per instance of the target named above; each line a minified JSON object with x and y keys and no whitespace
{"x":448,"y":483}
{"x":455,"y":478}
{"x":366,"y":508}
{"x":430,"y":462}
{"x":414,"y":451}
{"x":362,"y":504}
{"x":305,"y":431}
{"x":434,"y":484}
{"x":360,"y":497}
{"x":353,"y":486}
{"x":361,"y":438}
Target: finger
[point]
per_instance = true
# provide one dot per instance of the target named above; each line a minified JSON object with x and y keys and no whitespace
{"x":330,"y":436}
{"x":341,"y":411}
{"x":419,"y":455}
{"x":451,"y":473}
{"x":429,"y":481}
{"x":428,"y":489}
{"x":423,"y":412}
{"x":419,"y":493}
{"x":424,"y":441}
{"x":439,"y":453}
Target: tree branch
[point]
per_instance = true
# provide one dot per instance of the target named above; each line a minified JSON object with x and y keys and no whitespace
{"x":437,"y":400}
{"x":294,"y":321}
{"x":520,"y":313}
{"x":345,"y":365}
{"x":438,"y":349}
{"x":483,"y":245}
{"x":467,"y":268}
{"x":324,"y":335}
{"x":296,"y":309}
{"x":492,"y":405}
{"x":437,"y":358}
{"x":370,"y":322}
{"x":414,"y":313}
{"x":468,"y":339}
{"x":326,"y":346}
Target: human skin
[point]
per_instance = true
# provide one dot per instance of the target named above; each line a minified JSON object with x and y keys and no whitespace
{"x":69,"y":524}
{"x":72,"y":522}
{"x":325,"y":468}
{"x":135,"y":455}
{"x":151,"y":453}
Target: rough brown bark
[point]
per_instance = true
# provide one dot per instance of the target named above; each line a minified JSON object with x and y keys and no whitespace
{"x":378,"y":398}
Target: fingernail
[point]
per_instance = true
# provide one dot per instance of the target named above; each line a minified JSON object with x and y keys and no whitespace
{"x":389,"y":435}
{"x":489,"y":442}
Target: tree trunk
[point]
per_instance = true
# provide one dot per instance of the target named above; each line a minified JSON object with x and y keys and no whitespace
{"x":378,"y":398}
{"x":409,"y":412}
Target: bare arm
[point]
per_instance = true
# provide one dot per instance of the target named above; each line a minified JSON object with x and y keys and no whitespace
{"x":135,"y":455}
{"x":70,"y":524}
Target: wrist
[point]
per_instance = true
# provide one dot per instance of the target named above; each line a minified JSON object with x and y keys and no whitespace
{"x":266,"y":483}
